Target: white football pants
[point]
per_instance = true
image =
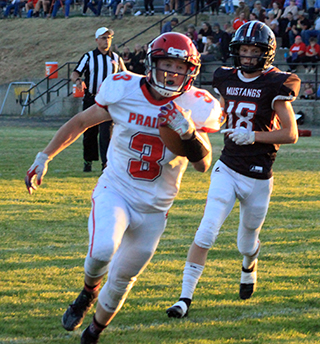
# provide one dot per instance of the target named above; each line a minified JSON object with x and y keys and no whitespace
{"x":225,"y":187}
{"x":125,"y":238}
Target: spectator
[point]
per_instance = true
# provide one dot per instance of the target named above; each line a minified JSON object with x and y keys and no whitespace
{"x":229,"y":6}
{"x":94,"y":5}
{"x":137,"y":64}
{"x":314,"y":10}
{"x":228,"y":28}
{"x":124,"y":5}
{"x":11,"y":5}
{"x":205,"y":31}
{"x":168,"y":26}
{"x":272,"y":22}
{"x":45,"y":4}
{"x":187,"y":7}
{"x":222,"y":39}
{"x":239,"y":21}
{"x":263,"y":15}
{"x":243,"y":8}
{"x":126,"y":56}
{"x":312,"y":55}
{"x":174,"y":5}
{"x":200,"y":6}
{"x":293,"y":8}
{"x":280,"y":2}
{"x":276,"y":10}
{"x":300,"y":28}
{"x":113,"y":5}
{"x":265,"y":3}
{"x":211,"y":51}
{"x":284,"y":17}
{"x":3,"y":5}
{"x":148,"y":4}
{"x":30,"y":5}
{"x":257,"y":8}
{"x":296,"y":54}
{"x":286,"y":35}
{"x":96,"y":65}
{"x":252,"y":16}
{"x":214,"y":6}
{"x":59,"y":3}
{"x":192,"y":30}
{"x":299,"y":4}
{"x":190,"y":35}
{"x":313,"y":31}
{"x":308,"y":91}
{"x":166,"y":7}
{"x":250,"y":4}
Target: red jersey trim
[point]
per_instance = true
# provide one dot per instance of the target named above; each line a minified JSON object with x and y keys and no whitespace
{"x":102,"y":106}
{"x":93,"y":226}
{"x":209,"y":130}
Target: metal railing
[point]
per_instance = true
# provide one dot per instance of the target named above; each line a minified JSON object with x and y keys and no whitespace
{"x":49,"y":87}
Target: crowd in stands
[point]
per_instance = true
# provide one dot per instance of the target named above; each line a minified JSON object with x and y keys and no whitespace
{"x":296,"y":22}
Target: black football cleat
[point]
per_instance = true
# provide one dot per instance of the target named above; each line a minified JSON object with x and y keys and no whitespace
{"x":178,"y":310}
{"x":89,"y":338}
{"x":74,"y":315}
{"x":248,"y":283}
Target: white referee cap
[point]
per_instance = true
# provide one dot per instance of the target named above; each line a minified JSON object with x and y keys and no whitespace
{"x":102,"y":31}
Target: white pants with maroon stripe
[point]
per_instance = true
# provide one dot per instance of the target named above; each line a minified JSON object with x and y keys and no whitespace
{"x":226,"y":186}
{"x":122,"y":237}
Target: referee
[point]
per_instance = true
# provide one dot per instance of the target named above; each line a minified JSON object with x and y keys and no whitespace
{"x":96,"y":65}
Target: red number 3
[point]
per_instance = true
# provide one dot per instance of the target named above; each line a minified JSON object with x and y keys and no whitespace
{"x":151,"y":149}
{"x":122,"y":77}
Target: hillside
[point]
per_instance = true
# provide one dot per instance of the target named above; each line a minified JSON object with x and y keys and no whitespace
{"x":26,"y":44}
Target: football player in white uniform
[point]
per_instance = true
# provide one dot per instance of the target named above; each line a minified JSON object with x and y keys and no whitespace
{"x":255,"y":96}
{"x":132,"y":197}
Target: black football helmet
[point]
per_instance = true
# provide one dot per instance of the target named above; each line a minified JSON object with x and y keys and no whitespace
{"x":258,"y":34}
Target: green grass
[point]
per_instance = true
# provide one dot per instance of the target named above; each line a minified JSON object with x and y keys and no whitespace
{"x":43,"y":243}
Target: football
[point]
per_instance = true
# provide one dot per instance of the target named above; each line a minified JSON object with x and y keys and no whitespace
{"x":172,"y":140}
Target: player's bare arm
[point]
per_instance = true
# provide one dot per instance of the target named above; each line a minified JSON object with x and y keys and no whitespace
{"x":64,"y":137}
{"x":289,"y":130}
{"x":71,"y":130}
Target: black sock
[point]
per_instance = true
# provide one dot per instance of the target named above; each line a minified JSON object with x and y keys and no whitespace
{"x":95,"y":328}
{"x":186,"y":301}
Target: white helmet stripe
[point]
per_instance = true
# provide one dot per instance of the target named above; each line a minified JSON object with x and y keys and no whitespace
{"x":250,"y":28}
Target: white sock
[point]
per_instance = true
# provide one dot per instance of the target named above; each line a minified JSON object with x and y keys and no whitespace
{"x":249,"y":260}
{"x":191,"y":275}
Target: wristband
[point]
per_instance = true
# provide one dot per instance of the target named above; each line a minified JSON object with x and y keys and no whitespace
{"x":196,"y":149}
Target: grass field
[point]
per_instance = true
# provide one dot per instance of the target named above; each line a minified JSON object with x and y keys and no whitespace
{"x":43,"y":241}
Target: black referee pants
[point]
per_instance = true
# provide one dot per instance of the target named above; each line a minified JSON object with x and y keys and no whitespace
{"x":90,"y":137}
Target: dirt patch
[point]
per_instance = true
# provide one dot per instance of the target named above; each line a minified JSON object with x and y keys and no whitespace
{"x":27,"y":44}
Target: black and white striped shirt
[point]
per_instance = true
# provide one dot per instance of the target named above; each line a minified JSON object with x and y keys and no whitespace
{"x":96,"y":67}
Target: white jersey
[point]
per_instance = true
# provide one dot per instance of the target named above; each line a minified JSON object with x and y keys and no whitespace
{"x":140,"y":167}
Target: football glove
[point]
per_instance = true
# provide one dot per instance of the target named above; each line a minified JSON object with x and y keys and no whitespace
{"x":37,"y":171}
{"x":177,"y":119}
{"x":240,"y":136}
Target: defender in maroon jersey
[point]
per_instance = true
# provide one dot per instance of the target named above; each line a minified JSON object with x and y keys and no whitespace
{"x":256,"y":98}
